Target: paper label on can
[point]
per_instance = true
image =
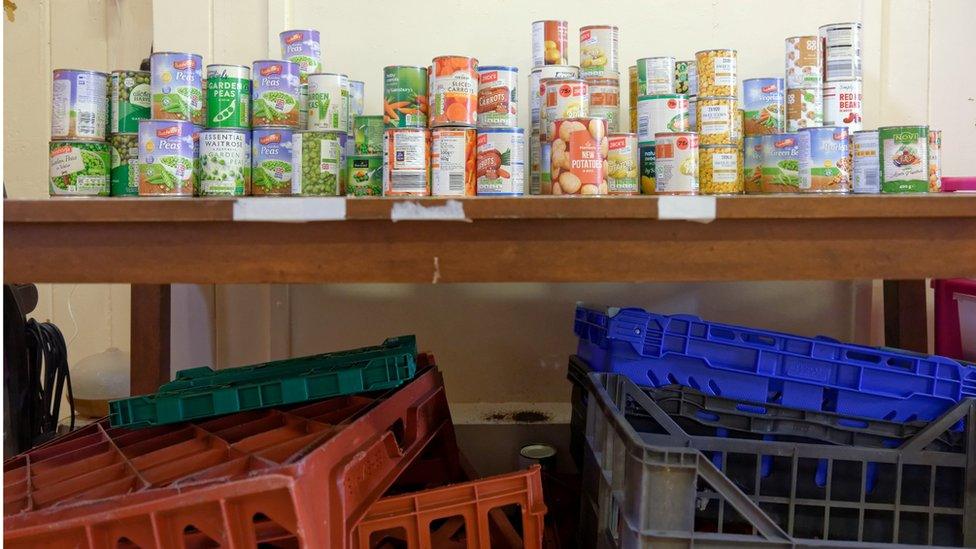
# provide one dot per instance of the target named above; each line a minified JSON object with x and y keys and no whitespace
{"x":905,"y":159}
{"x":408,"y":151}
{"x":724,"y":167}
{"x":61,"y":107}
{"x":447,"y":164}
{"x":842,"y":105}
{"x":66,"y":160}
{"x":715,"y":119}
{"x":725,"y":71}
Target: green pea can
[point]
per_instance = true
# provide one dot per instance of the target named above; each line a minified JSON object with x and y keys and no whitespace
{"x":405,"y":96}
{"x":368,"y":134}
{"x":79,"y":168}
{"x":318,"y":162}
{"x":228,"y":96}
{"x":131,"y":98}
{"x":364,"y":175}
{"x":125,"y":164}
{"x":904,"y":155}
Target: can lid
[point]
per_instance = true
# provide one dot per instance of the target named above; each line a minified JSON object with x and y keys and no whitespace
{"x":610,"y":75}
{"x":155,"y":53}
{"x":502,"y":130}
{"x":424,"y":68}
{"x":662,"y":96}
{"x":226,"y":65}
{"x":282,"y":61}
{"x":282,"y":33}
{"x":498,"y":68}
{"x":719,"y":146}
{"x":621,"y":134}
{"x":675,"y":133}
{"x":329,"y":74}
{"x":121,"y":71}
{"x":537,"y":451}
{"x":848,"y":24}
{"x":655,"y":57}
{"x":926,"y":128}
{"x":831,"y":128}
{"x":717,"y":49}
{"x":275,"y":128}
{"x":235,"y":130}
{"x":803,"y":37}
{"x":550,"y":21}
{"x":475,"y":59}
{"x":592,"y":27}
{"x":762,"y":79}
{"x":343,"y":132}
{"x":722,"y":97}
{"x":88,"y":71}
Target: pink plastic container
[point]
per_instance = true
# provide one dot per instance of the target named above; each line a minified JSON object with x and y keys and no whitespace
{"x":955,"y":318}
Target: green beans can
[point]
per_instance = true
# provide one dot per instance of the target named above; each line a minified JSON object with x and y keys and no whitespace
{"x":125,"y":164}
{"x":79,"y":168}
{"x":364,"y":175}
{"x":318,"y":162}
{"x":131,"y":98}
{"x":368,"y":134}
{"x":405,"y":96}
{"x":228,"y":96}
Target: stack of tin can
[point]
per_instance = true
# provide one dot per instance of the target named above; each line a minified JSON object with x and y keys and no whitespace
{"x":500,"y":150}
{"x":663,"y":117}
{"x":79,"y":157}
{"x":549,"y":64}
{"x":769,"y":154}
{"x":718,"y":121}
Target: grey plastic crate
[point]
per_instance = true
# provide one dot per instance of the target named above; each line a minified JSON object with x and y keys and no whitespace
{"x":648,"y":483}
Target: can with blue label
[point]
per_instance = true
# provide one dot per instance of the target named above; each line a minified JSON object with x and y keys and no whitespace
{"x":302,"y":47}
{"x":271,"y":169}
{"x":176,"y":84}
{"x":764,"y":106}
{"x":167,"y":157}
{"x":825,"y":161}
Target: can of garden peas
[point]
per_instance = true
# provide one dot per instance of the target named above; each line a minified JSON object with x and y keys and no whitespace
{"x":318,"y":162}
{"x":228,"y":96}
{"x":131,"y":99}
{"x":225,"y":162}
{"x":125,"y":164}
{"x":79,"y":168}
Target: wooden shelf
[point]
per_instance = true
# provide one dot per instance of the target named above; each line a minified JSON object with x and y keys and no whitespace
{"x":537,"y":239}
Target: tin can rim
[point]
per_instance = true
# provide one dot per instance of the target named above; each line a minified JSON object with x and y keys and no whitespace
{"x":235,"y":130}
{"x":733,"y":50}
{"x":662,"y":96}
{"x":591,"y":27}
{"x":722,"y":97}
{"x":167,"y":121}
{"x":829,"y":82}
{"x":509,"y":130}
{"x":757,"y":78}
{"x":511,"y":68}
{"x":89,"y":71}
{"x":904,"y":126}
{"x":120,"y":71}
{"x":802,"y":36}
{"x":363,"y":82}
{"x":283,"y":61}
{"x":421,"y":67}
{"x":226,"y":65}
{"x":475,"y":59}
{"x":328,"y":74}
{"x":675,"y":133}
{"x":561,"y":79}
{"x":616,"y":76}
{"x":191,"y":54}
{"x":557,"y":67}
{"x":550,"y":21}
{"x":851,"y":23}
{"x":80,"y":140}
{"x":864,"y":131}
{"x":284,"y":32}
{"x":278,"y":127}
{"x":813,"y":128}
{"x":657,"y":57}
{"x":456,"y":128}
{"x":406,"y":128}
{"x":622,"y":134}
{"x":343,"y":132}
{"x":718,"y":146}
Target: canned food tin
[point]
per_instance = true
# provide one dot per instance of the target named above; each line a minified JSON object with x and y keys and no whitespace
{"x":405,"y":96}
{"x":605,"y":100}
{"x":716,"y":72}
{"x":565,"y":98}
{"x":903,"y":152}
{"x":328,"y":101}
{"x":125,"y":164}
{"x":764,"y":106}
{"x":549,"y":41}
{"x":497,"y":97}
{"x":804,"y":109}
{"x":454,"y":91}
{"x":686,"y":77}
{"x":203,"y":99}
{"x":545,"y":167}
{"x":357,"y":100}
{"x":535,"y":159}
{"x":303,"y":107}
{"x":598,"y":50}
{"x":825,"y":162}
{"x":78,"y":107}
{"x":501,"y":162}
{"x":781,"y":163}
{"x":537,"y":90}
{"x":78,"y":168}
{"x":737,"y":126}
{"x":656,"y":75}
{"x":302,"y":47}
{"x":718,"y":170}
{"x":228,"y":96}
{"x":225,"y":162}
{"x":131,"y":99}
{"x":579,"y":152}
{"x":364,"y":175}
{"x":841,"y":46}
{"x":935,"y":161}
{"x":752,"y":164}
{"x":693,"y":113}
{"x":368,"y":134}
{"x":662,"y":113}
{"x":275,"y":94}
{"x":803,"y":62}
{"x":632,"y":90}
{"x":271,"y":158}
{"x":177,"y":86}
{"x":318,"y":162}
{"x":452,"y":162}
{"x":623,"y":164}
{"x":842,"y":104}
{"x":406,"y":162}
{"x":864,"y":164}
{"x":167,"y":158}
{"x":676,"y":163}
{"x":647,"y":168}
{"x":715,"y":120}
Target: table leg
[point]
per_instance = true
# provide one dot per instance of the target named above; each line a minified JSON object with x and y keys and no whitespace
{"x":150,"y":337}
{"x":905,"y":315}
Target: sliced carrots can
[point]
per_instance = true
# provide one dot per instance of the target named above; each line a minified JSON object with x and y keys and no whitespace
{"x":452,"y":162}
{"x":454,"y":91}
{"x":405,"y":96}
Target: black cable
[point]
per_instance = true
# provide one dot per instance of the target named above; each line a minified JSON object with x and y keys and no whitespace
{"x":48,"y":376}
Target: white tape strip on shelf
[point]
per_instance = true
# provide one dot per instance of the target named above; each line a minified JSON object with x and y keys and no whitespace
{"x":452,"y":210}
{"x":290,"y":209}
{"x":686,"y":208}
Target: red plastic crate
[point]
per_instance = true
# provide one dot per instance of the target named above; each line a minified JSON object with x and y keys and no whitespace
{"x":306,"y":473}
{"x":468,"y":515}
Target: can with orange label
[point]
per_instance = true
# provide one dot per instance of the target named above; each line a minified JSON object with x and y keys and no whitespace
{"x":549,"y":43}
{"x":578,"y":162}
{"x":406,"y":162}
{"x":565,"y":98}
{"x":452,"y":162}
{"x":454,"y":91}
{"x":605,"y":100}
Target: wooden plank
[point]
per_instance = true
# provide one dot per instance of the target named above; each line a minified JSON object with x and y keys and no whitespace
{"x":150,"y":337}
{"x":906,"y":315}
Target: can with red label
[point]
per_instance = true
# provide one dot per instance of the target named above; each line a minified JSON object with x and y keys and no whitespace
{"x":676,"y":162}
{"x":565,"y":98}
{"x":406,"y":155}
{"x":842,"y":104}
{"x":537,"y":90}
{"x":497,"y":97}
{"x":622,"y":164}
{"x":501,"y":162}
{"x":454,"y":91}
{"x":578,"y":161}
{"x":452,"y":162}
{"x":549,"y":41}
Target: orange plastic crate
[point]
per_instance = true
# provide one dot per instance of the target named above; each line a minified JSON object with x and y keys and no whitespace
{"x":467,"y":515}
{"x":306,"y":473}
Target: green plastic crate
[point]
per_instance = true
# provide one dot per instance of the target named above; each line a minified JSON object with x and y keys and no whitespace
{"x":199,"y":393}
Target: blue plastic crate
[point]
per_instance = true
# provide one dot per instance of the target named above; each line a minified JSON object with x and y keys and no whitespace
{"x":761,"y":366}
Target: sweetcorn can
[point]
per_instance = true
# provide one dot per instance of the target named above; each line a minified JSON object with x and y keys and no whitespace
{"x":452,"y":162}
{"x":537,"y":89}
{"x":406,"y":162}
{"x":864,"y":162}
{"x":752,"y":164}
{"x":318,"y":160}
{"x":79,"y":168}
{"x":623,"y":165}
{"x":271,"y":161}
{"x":676,"y":163}
{"x":605,"y":99}
{"x":497,"y":96}
{"x":405,"y":96}
{"x":718,"y":170}
{"x":78,"y":107}
{"x":904,"y":158}
{"x":501,"y":162}
{"x":781,"y":163}
{"x":716,"y":120}
{"x":825,"y":165}
{"x":578,"y":159}
{"x":656,"y":75}
{"x":167,"y":157}
{"x":176,"y":83}
{"x":935,"y":161}
{"x":549,"y":43}
{"x":598,"y":50}
{"x":717,"y":72}
{"x":454,"y":91}
{"x":803,"y":62}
